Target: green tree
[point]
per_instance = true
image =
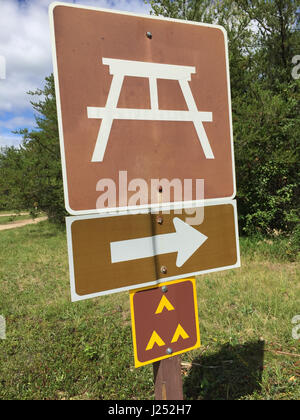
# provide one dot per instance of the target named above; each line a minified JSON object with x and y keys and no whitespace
{"x":11,"y":179}
{"x":32,"y":176}
{"x":265,"y":103}
{"x":41,"y":157}
{"x":267,"y":124}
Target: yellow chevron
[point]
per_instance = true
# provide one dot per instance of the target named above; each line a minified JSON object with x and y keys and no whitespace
{"x":164,"y":303}
{"x":179,"y":333}
{"x":155,"y":338}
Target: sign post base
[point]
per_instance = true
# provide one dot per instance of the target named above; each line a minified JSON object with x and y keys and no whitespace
{"x":167,"y":379}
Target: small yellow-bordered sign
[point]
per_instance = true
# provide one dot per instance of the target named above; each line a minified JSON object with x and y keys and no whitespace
{"x":164,"y":320}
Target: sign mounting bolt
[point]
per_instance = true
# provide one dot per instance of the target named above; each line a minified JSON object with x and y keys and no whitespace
{"x":169,"y":350}
{"x":149,"y":35}
{"x":164,"y":289}
{"x":160,"y":220}
{"x":163,"y":269}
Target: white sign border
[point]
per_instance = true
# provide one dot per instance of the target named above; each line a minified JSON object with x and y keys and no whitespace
{"x":69,"y":220}
{"x":60,"y":123}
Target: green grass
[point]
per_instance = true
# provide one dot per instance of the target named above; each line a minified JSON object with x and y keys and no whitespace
{"x":55,"y":349}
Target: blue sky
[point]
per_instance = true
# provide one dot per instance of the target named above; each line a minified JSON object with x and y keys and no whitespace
{"x":25,"y":48}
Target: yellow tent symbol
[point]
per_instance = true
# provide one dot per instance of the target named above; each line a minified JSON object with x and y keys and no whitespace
{"x":155,"y":338}
{"x":164,"y":303}
{"x":179,"y":333}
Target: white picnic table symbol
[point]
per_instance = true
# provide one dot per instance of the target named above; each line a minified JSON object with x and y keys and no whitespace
{"x":153,"y":71}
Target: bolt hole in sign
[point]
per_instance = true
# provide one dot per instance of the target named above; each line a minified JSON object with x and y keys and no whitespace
{"x":164,"y":321}
{"x":154,"y":107}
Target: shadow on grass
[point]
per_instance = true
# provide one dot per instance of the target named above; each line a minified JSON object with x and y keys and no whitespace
{"x":232,"y":373}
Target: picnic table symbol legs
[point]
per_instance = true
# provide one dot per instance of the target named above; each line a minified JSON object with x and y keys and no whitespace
{"x":153,"y":71}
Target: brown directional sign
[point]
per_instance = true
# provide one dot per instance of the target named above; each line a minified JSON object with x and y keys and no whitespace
{"x":142,"y":95}
{"x":111,"y":253}
{"x":164,"y":321}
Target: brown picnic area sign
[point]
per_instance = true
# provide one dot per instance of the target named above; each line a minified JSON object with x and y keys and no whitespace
{"x":143,"y":95}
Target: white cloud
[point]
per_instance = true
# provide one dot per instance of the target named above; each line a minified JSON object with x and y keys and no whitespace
{"x":2,"y":67}
{"x":25,"y":45}
{"x":7,"y":141}
{"x":17,"y":122}
{"x":134,"y":6}
{"x":24,"y":42}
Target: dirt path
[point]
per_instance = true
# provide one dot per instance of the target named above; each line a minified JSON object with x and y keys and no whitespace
{"x":22,"y":223}
{"x":14,"y":214}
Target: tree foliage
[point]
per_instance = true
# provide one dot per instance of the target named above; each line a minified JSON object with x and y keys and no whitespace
{"x":31,"y":176}
{"x":265,"y":102}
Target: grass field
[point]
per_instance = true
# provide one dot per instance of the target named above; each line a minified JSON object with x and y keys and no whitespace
{"x":55,"y":349}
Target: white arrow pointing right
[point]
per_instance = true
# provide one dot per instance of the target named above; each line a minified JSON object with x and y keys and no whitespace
{"x":185,"y":241}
